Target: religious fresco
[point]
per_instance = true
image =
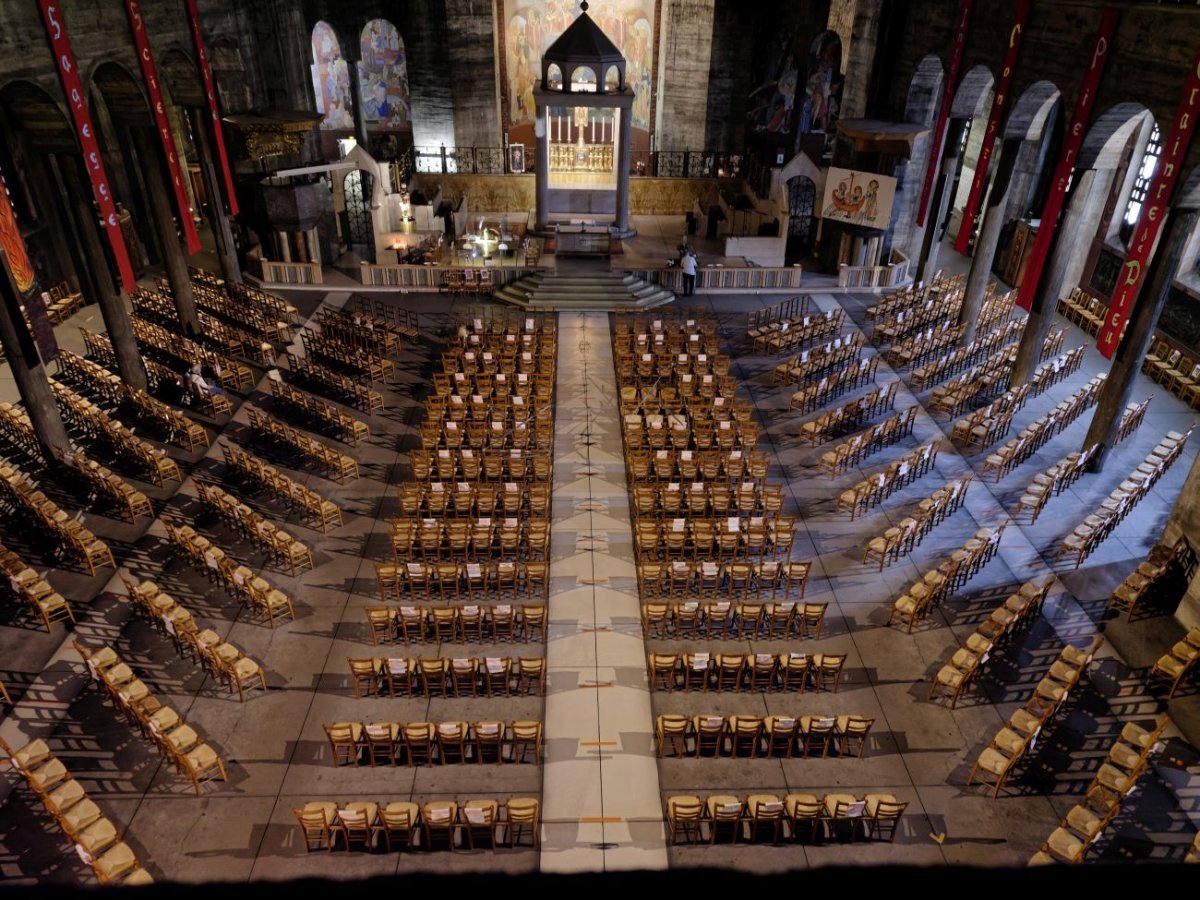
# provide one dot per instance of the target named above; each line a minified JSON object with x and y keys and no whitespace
{"x":823,"y":87}
{"x":858,"y":198}
{"x":331,"y":80}
{"x":531,"y":26}
{"x":383,"y":78}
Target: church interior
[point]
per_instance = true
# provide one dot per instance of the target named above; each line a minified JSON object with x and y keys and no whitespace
{"x":551,"y":437}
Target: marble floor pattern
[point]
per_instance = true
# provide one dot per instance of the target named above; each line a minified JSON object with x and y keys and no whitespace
{"x":602,"y":787}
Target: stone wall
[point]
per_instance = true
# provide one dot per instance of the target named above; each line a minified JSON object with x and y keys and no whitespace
{"x":730,"y":76}
{"x":685,"y":56}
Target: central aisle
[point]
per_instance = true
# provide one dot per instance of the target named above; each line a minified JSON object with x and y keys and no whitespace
{"x":600,"y":792}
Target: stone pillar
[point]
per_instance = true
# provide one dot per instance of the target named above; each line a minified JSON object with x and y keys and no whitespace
{"x":939,"y":202}
{"x":542,"y":173}
{"x":1185,"y":522}
{"x":1067,"y":254}
{"x":1127,"y":362}
{"x":112,"y":304}
{"x":231,"y":270}
{"x":174,"y":260}
{"x":685,"y":59}
{"x":624,"y":158}
{"x":28,"y":372}
{"x":989,"y":237}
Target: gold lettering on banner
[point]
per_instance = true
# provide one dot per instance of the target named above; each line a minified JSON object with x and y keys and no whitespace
{"x":1133,"y":272}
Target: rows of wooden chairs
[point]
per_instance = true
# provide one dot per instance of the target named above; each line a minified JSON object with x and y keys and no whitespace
{"x":1179,"y":663}
{"x":901,"y":539}
{"x":90,"y":376}
{"x":501,"y":623}
{"x":1018,"y":610}
{"x":1091,"y":532}
{"x":99,"y":347}
{"x":315,"y":509}
{"x":795,"y":817}
{"x":326,"y":415}
{"x":752,"y":672}
{"x":384,"y":313}
{"x":17,"y":429}
{"x":459,"y":676}
{"x":473,"y":580}
{"x":829,"y":387}
{"x":480,"y":499}
{"x":478,"y":539}
{"x":468,"y":280}
{"x":20,"y":497}
{"x":1132,"y":418}
{"x":706,"y":499}
{"x":41,"y":598}
{"x":876,"y":488}
{"x":772,"y":737}
{"x":533,"y":433}
{"x":489,"y":385}
{"x":359,"y":395}
{"x":816,"y":361}
{"x":1083,"y":309}
{"x":96,"y":839}
{"x":924,"y":594}
{"x":708,"y":397}
{"x":923,"y":346}
{"x":1056,"y":370}
{"x":712,"y":578}
{"x":285,"y":549}
{"x":912,"y":328}
{"x":434,"y":743}
{"x":690,"y":466}
{"x":403,"y":825}
{"x":679,"y":432}
{"x":233,"y":375}
{"x":510,"y":410}
{"x":62,"y":303}
{"x":960,"y":359}
{"x":1035,"y":435}
{"x":509,"y":353}
{"x":714,"y":540}
{"x":858,"y":447}
{"x":97,"y":425}
{"x":979,"y":383}
{"x":123,"y":496}
{"x":727,"y":620}
{"x":358,"y":330}
{"x":990,"y":422}
{"x":784,"y":335}
{"x":270,"y":430}
{"x":1084,"y":824}
{"x":176,"y":427}
{"x":4,"y":695}
{"x":495,"y":465}
{"x":221,"y":659}
{"x":261,"y":312}
{"x":1159,"y":566}
{"x":761,"y":321}
{"x":915,"y":295}
{"x":359,"y":364}
{"x":1174,"y":370}
{"x":1051,"y":483}
{"x":1008,"y":748}
{"x":850,"y":414}
{"x":158,"y":307}
{"x":178,"y":742}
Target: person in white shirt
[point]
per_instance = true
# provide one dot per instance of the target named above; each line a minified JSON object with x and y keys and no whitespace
{"x":688,"y":263}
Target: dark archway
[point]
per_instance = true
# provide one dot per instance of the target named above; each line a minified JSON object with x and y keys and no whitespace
{"x":802,"y":200}
{"x":357,"y":222}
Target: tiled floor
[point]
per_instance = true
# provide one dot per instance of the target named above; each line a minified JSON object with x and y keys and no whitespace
{"x":278,"y":756}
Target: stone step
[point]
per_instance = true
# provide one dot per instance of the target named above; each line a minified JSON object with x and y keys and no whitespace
{"x":616,"y":290}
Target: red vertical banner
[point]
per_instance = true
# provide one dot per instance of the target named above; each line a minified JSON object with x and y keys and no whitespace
{"x":1066,"y":161}
{"x":64,"y":61}
{"x":939,"y":131}
{"x":141,"y":41}
{"x":13,"y":246}
{"x":214,"y":111}
{"x":975,"y":197}
{"x":1154,"y":210}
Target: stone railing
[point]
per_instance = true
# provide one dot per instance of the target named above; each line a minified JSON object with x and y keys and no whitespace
{"x":733,"y":280}
{"x":291,"y":272}
{"x":894,"y":274}
{"x":430,"y":278}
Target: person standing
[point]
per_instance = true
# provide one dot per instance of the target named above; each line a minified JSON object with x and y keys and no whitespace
{"x":688,"y":264}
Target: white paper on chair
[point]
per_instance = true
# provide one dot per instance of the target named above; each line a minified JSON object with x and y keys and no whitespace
{"x":857,"y":808}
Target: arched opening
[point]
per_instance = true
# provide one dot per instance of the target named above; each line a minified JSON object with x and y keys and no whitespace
{"x":802,"y":200}
{"x":35,"y":140}
{"x":357,"y":223}
{"x":612,"y":79}
{"x":972,"y":102}
{"x":583,"y":80}
{"x":331,"y":80}
{"x":554,"y":77}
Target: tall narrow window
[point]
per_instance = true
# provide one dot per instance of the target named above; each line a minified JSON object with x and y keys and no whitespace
{"x":1141,"y":184}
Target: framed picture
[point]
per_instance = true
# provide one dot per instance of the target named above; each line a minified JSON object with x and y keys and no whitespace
{"x":516,"y":158}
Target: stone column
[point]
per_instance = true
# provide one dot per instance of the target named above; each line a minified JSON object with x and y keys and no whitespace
{"x":1185,"y":522}
{"x":231,"y":271}
{"x":624,"y":158}
{"x":28,"y":372}
{"x":1127,"y":362}
{"x":939,"y":202}
{"x":112,"y":304}
{"x":989,"y":237}
{"x":174,"y":260}
{"x":541,"y":134}
{"x":1068,"y":251}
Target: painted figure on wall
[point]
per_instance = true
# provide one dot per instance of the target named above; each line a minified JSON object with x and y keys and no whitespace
{"x":331,"y":80}
{"x":533,"y":25}
{"x":776,"y":114}
{"x":823,"y":89}
{"x":383,"y":77}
